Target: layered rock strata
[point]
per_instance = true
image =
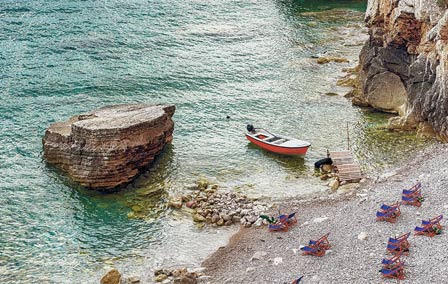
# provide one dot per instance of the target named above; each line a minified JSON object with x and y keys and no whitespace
{"x":404,"y":64}
{"x":108,"y":147}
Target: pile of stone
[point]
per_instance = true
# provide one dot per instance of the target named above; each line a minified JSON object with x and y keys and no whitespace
{"x":326,"y":173}
{"x":210,"y":206}
{"x":177,"y":276}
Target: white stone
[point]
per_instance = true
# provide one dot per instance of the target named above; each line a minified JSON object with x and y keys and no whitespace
{"x":278,"y":260}
{"x":306,"y":223}
{"x":294,"y":251}
{"x":199,"y":269}
{"x":320,"y":220}
{"x":362,"y":236}
{"x":250,"y":269}
{"x":258,"y":255}
{"x":334,"y":184}
{"x":258,"y":223}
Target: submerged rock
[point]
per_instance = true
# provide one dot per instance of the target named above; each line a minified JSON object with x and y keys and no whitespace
{"x":324,"y":60}
{"x":175,"y":202}
{"x":198,"y":218}
{"x":111,"y":277}
{"x":108,"y":147}
{"x":161,"y":277}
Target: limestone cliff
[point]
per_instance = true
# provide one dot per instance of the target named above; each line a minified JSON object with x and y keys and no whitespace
{"x":404,"y":64}
{"x":109,"y":146}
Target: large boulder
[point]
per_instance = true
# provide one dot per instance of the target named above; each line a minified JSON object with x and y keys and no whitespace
{"x":386,"y":92}
{"x":111,"y":277}
{"x":108,"y":147}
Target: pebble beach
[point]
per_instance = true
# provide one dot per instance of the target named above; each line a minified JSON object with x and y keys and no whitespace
{"x":358,"y":241}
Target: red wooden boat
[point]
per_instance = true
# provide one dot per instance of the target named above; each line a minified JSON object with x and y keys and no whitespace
{"x":276,"y":143}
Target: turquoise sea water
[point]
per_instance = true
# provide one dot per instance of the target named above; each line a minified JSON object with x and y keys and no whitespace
{"x":250,"y":60}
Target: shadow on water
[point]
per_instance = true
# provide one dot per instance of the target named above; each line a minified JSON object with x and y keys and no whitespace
{"x":143,"y":198}
{"x":293,"y":164}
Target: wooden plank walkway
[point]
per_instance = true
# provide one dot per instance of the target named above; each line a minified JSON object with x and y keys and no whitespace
{"x":347,"y":168}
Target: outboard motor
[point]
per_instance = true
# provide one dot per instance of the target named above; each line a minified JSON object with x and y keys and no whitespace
{"x":250,"y":128}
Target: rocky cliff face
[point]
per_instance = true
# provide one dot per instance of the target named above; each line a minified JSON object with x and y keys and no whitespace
{"x":108,"y":147}
{"x":404,"y":64}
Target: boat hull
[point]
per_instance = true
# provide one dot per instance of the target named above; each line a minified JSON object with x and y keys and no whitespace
{"x":291,"y":151}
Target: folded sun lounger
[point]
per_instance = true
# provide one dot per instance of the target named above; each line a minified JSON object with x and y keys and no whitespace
{"x":399,"y":245}
{"x":414,"y":190}
{"x":317,"y":247}
{"x":388,"y":213}
{"x":430,"y":227}
{"x":283,"y":222}
{"x":412,"y":200}
{"x":394,"y":272}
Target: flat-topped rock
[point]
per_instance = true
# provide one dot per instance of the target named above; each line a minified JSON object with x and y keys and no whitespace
{"x":108,"y":147}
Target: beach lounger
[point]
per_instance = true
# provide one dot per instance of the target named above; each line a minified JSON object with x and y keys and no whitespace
{"x":389,"y":216}
{"x":401,"y":240}
{"x":412,"y":200}
{"x":322,"y":242}
{"x":317,"y":247}
{"x":288,"y":219}
{"x":434,"y":221}
{"x":389,"y":213}
{"x":394,"y":272}
{"x":386,"y":207}
{"x":430,"y":227}
{"x":297,"y":281}
{"x":415,"y":190}
{"x":388,"y":262}
{"x":283,"y":222}
{"x":397,"y":250}
{"x":425,"y":230}
{"x":413,"y":196}
{"x":399,"y":245}
{"x":313,"y":250}
{"x":277,"y":227}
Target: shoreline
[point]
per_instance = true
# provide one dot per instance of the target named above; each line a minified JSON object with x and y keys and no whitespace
{"x":351,"y":260}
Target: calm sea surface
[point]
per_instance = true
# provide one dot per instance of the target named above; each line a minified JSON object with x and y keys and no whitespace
{"x":250,"y":60}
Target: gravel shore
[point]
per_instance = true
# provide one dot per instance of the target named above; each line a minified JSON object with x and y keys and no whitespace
{"x":278,"y":258}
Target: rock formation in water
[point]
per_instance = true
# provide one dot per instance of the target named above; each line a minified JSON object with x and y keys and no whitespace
{"x":108,"y":147}
{"x":404,"y":64}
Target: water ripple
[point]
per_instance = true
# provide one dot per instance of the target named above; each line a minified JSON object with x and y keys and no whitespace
{"x":250,"y":60}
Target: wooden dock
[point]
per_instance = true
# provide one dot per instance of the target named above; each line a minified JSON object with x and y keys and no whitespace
{"x":346,"y":167}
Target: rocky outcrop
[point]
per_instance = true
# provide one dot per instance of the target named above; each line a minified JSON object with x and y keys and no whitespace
{"x":404,"y":64}
{"x":108,"y":147}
